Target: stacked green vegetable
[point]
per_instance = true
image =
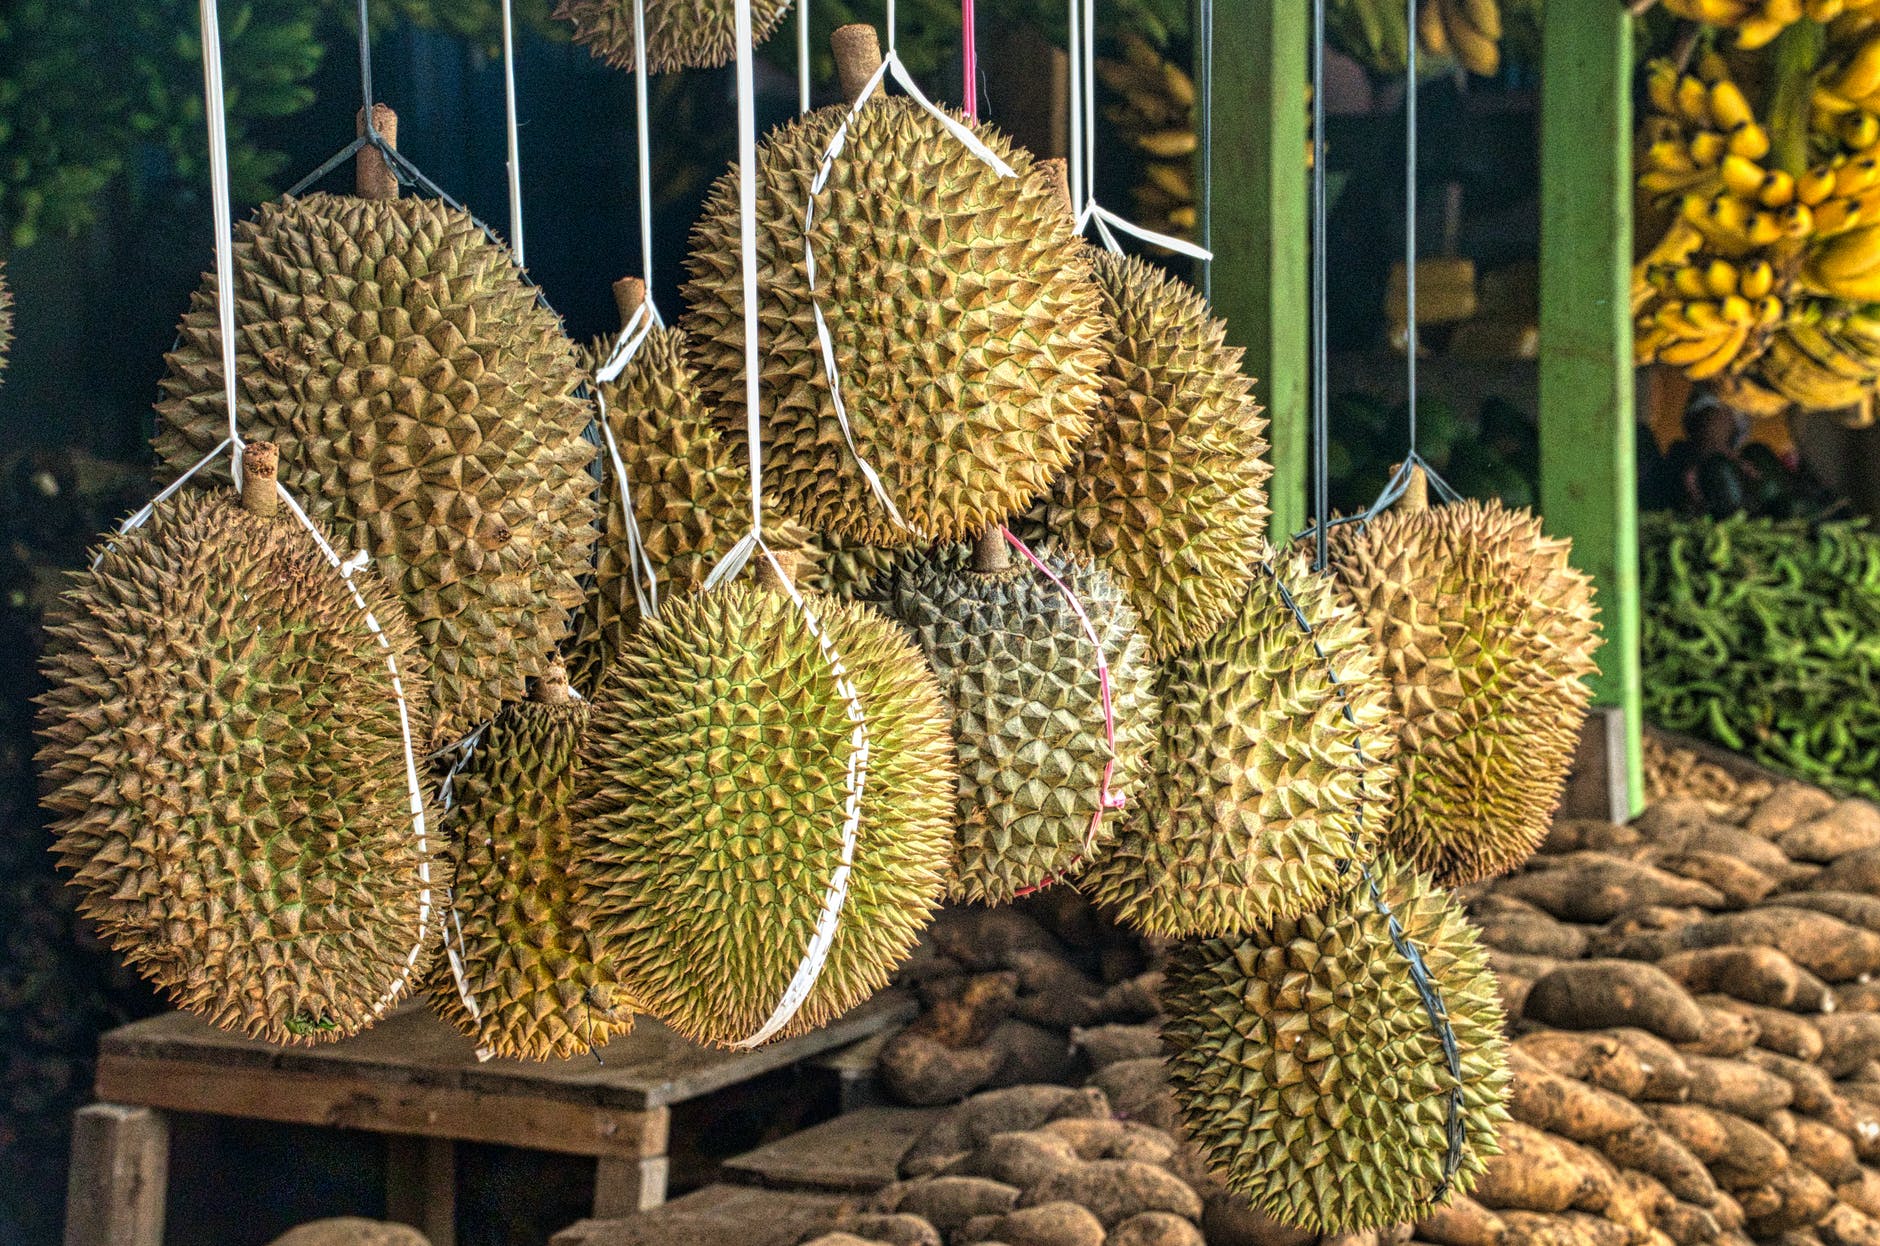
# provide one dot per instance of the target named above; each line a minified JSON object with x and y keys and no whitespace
{"x":1764,"y":636}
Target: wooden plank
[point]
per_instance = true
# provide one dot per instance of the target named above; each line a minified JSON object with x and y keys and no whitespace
{"x":718,"y":1215}
{"x":1588,"y":429}
{"x":650,"y":1067}
{"x":120,"y":1175}
{"x":382,"y":1105}
{"x":623,"y":1187}
{"x":1260,"y":234}
{"x":857,"y":1085}
{"x":421,"y":1186}
{"x":857,"y":1152}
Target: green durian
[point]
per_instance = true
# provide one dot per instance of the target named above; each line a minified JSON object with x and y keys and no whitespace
{"x":423,"y":401}
{"x":1485,"y":634}
{"x":1270,"y":780}
{"x":1021,"y":674}
{"x":1168,"y":494}
{"x":1310,"y":1076}
{"x":225,"y":765}
{"x":714,"y":780}
{"x":533,"y":962}
{"x":967,"y":331}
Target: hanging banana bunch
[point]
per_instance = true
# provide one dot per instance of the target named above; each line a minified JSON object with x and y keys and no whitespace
{"x":1756,"y":23}
{"x":1154,"y":115}
{"x":1376,"y":33}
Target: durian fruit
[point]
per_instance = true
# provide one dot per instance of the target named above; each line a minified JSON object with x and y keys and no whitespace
{"x":1022,"y":677}
{"x":222,"y":754}
{"x":680,"y":34}
{"x":1308,"y":1071}
{"x":713,"y":784}
{"x":423,"y":401}
{"x":967,"y":331}
{"x":1484,"y":633}
{"x":691,"y":494}
{"x":6,"y":320}
{"x":533,"y":962}
{"x":1271,"y":779}
{"x":1169,"y":493}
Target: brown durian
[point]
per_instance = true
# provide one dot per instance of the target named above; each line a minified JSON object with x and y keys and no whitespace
{"x":1270,"y":782}
{"x":1311,"y":1077}
{"x":713,"y":787}
{"x":423,"y":401}
{"x":224,"y":761}
{"x":1169,"y":493}
{"x":534,"y":966}
{"x":1484,"y":632}
{"x":680,"y":34}
{"x":967,"y":331}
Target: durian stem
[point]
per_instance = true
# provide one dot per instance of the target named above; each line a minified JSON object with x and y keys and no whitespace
{"x":790,"y":560}
{"x":551,"y":687}
{"x":375,"y":179}
{"x":261,"y":466}
{"x":629,"y":294}
{"x":1416,"y":491}
{"x":991,"y":553}
{"x":1058,"y":169}
{"x":857,"y":51}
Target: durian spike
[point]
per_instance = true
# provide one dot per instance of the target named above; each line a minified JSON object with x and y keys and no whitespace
{"x":991,"y":552}
{"x":551,"y":687}
{"x":261,"y":467}
{"x":857,"y":51}
{"x":375,"y":179}
{"x":629,"y":293}
{"x":788,"y":561}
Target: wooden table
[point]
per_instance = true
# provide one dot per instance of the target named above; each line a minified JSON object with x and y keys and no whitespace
{"x":415,"y":1078}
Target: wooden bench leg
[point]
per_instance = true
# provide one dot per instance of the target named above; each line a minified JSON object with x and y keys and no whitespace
{"x":624,"y":1186}
{"x":120,"y":1176}
{"x":421,"y":1186}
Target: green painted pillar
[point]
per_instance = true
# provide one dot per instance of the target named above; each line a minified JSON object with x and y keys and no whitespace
{"x":1588,"y":430}
{"x":1260,"y":230}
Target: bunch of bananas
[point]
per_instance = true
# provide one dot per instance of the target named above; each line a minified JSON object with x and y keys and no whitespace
{"x":1154,"y":114}
{"x":1757,"y":22}
{"x":1826,"y":357}
{"x":1706,"y":313}
{"x":1377,"y":32}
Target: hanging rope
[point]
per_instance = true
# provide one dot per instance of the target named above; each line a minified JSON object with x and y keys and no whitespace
{"x":643,"y":160}
{"x":1204,"y":122}
{"x":802,"y":57}
{"x":969,"y":61}
{"x":514,"y":166}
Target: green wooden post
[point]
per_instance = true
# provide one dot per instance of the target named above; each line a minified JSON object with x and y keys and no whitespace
{"x":1588,"y":429}
{"x":1260,"y":230}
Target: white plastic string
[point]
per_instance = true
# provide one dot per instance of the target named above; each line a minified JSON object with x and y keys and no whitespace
{"x":640,"y":571}
{"x":515,"y":144}
{"x":643,"y":161}
{"x":802,"y":56}
{"x":1082,"y":45}
{"x":447,"y":800}
{"x":143,"y":513}
{"x":224,"y":217}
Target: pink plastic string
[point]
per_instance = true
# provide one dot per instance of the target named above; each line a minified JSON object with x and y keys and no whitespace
{"x":1107,"y":797}
{"x":969,"y":57}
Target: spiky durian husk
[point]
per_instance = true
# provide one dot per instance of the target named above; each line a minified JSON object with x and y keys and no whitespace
{"x":534,"y":963}
{"x":712,"y":800}
{"x":1169,"y":493}
{"x":680,"y":34}
{"x":1021,"y":676}
{"x":691,"y":494}
{"x":1308,"y":1072}
{"x":6,"y":320}
{"x":423,"y":402}
{"x":844,"y":568}
{"x":968,"y":333}
{"x":1484,"y":633}
{"x":223,"y":759}
{"x":1271,"y":779}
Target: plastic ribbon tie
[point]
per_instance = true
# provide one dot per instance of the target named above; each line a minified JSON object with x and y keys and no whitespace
{"x":1108,"y":798}
{"x":643,"y":157}
{"x":641,"y":572}
{"x":802,"y":57}
{"x":510,"y":132}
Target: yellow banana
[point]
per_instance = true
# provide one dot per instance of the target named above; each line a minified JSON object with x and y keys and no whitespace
{"x":1860,"y":130}
{"x":1849,"y":255}
{"x":1719,"y":278}
{"x":1749,"y":140}
{"x":1434,"y":36}
{"x":1796,"y":221}
{"x":1478,"y":53}
{"x":1756,"y":279}
{"x":1836,"y":216}
{"x":1814,"y":186}
{"x":1824,"y":10}
{"x":1661,"y":85}
{"x":1728,"y":108}
{"x":1768,"y":311}
{"x":1484,"y":16}
{"x":1693,"y":102}
{"x":1764,"y":228}
{"x":1777,"y":189}
{"x":1861,"y":76}
{"x":1689,"y":282}
{"x":1722,"y":357}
